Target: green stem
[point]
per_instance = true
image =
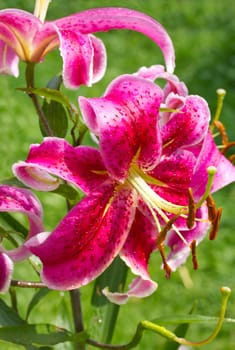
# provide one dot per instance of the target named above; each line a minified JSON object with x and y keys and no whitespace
{"x":29,"y":76}
{"x":75,"y":298}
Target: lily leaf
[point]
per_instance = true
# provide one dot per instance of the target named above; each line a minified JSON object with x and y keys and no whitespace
{"x":8,"y":316}
{"x":39,"y":334}
{"x":68,"y":192}
{"x":181,"y":319}
{"x":36,"y":299}
{"x":56,"y":117}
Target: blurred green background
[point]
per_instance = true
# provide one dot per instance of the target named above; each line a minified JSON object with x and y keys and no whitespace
{"x":203,"y":33}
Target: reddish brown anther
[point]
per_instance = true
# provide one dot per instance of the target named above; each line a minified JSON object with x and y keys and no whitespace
{"x":215,"y":225}
{"x":194,"y":256}
{"x":228,"y":146}
{"x":162,"y":234}
{"x":211,"y":208}
{"x":165,"y":265}
{"x":191,"y":209}
{"x":220,"y":126}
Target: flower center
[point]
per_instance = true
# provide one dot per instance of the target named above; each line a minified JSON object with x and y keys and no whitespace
{"x":40,"y":9}
{"x":156,"y":204}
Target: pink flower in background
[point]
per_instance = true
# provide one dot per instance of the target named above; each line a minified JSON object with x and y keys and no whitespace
{"x":27,"y":37}
{"x":154,"y":145}
{"x":13,"y":199}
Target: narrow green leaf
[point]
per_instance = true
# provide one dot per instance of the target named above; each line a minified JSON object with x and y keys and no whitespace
{"x":114,"y":278}
{"x":8,"y":316}
{"x":49,"y":94}
{"x":40,"y":334}
{"x":12,"y":181}
{"x":13,"y":223}
{"x":68,"y":192}
{"x":37,"y":297}
{"x":57,"y":118}
{"x":180,"y":319}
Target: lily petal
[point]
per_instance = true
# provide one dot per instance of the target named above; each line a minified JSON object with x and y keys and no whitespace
{"x":6,"y":268}
{"x":211,"y":156}
{"x":122,"y":119}
{"x":105,"y":19}
{"x":84,"y":58}
{"x":188,"y":126}
{"x":87,"y":239}
{"x":139,"y":288}
{"x":17,"y":28}
{"x":13,"y":199}
{"x":81,"y":166}
{"x":8,"y":60}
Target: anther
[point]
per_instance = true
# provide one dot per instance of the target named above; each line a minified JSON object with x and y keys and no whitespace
{"x":215,"y":225}
{"x":162,"y":234}
{"x":228,"y":146}
{"x":211,"y":208}
{"x":194,"y":257}
{"x":220,"y":126}
{"x":191,"y":209}
{"x":165,"y":265}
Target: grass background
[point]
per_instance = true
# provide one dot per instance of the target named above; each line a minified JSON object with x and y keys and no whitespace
{"x":203,"y":33}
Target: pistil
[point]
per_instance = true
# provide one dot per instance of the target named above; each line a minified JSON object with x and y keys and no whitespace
{"x":40,"y":10}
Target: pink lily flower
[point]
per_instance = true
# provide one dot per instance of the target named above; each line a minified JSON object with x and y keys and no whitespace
{"x":27,"y":37}
{"x":13,"y":199}
{"x":135,"y":183}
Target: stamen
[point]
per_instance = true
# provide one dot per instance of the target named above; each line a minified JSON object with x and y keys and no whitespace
{"x":228,"y":145}
{"x":224,"y":136}
{"x":211,"y":171}
{"x":165,"y":265}
{"x":191,"y":209}
{"x":220,"y":98}
{"x":215,"y":225}
{"x":194,"y":257}
{"x":40,"y":10}
{"x":232,"y":158}
{"x":211,"y":208}
{"x":162,"y":234}
{"x":154,"y":201}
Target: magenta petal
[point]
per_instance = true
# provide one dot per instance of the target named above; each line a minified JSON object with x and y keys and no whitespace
{"x":122,"y":119}
{"x":211,"y":156}
{"x":143,"y":99}
{"x":136,"y":251}
{"x":139,"y":245}
{"x":176,"y":170}
{"x":139,"y":288}
{"x":84,"y":58}
{"x":104,"y":19}
{"x":117,"y":136}
{"x":81,"y":166}
{"x":179,"y":250}
{"x":188,"y":126}
{"x":8,"y":60}
{"x":87,"y":239}
{"x":6,"y":271}
{"x":17,"y":29}
{"x":13,"y":199}
{"x":99,"y":59}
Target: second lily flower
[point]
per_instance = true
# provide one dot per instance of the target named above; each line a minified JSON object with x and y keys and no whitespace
{"x":138,"y":180}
